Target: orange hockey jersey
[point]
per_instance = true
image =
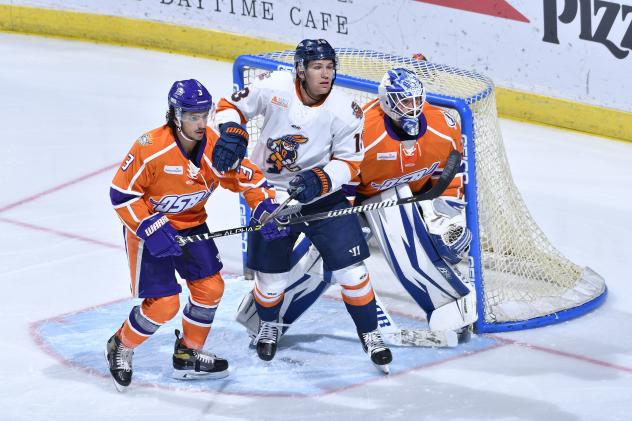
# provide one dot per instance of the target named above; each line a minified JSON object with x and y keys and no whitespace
{"x":389,"y":162}
{"x":157,"y":176}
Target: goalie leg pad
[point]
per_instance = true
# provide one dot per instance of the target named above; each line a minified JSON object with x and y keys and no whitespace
{"x":307,"y":284}
{"x":455,"y":315}
{"x":402,"y":236}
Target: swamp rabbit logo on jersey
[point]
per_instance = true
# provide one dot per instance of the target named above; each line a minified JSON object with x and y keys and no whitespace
{"x":284,"y":152}
{"x":175,"y":203}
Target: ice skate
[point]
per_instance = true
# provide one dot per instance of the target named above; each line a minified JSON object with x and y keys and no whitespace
{"x":266,"y":340}
{"x":191,"y":364}
{"x":373,"y":345}
{"x":119,"y":359}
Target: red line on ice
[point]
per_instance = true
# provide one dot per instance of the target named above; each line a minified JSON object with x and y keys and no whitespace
{"x":566,"y":354}
{"x":60,"y":233}
{"x":57,"y":188}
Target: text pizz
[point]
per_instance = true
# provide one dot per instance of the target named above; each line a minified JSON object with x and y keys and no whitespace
{"x":612,"y":14}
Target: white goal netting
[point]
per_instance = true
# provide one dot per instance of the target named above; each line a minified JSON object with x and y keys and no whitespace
{"x":520,"y":275}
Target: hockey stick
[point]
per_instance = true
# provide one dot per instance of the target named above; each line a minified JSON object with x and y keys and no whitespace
{"x":449,"y":172}
{"x":182,"y":241}
{"x":282,"y":206}
{"x":412,"y":337}
{"x":247,"y":316}
{"x":293,"y":216}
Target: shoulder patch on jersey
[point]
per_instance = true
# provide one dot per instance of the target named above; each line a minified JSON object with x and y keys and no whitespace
{"x":280,"y":101}
{"x":264,"y":75}
{"x":450,"y":121}
{"x":144,"y":140}
{"x":357,"y":111}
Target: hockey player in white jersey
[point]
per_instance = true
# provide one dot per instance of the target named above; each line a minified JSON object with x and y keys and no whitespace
{"x":407,"y":142}
{"x":310,"y":146}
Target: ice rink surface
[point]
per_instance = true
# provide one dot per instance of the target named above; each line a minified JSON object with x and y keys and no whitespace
{"x":71,"y":110}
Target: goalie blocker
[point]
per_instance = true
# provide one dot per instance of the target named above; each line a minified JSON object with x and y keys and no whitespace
{"x":416,"y":246}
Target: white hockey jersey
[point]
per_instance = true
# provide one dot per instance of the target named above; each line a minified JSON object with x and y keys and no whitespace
{"x":295,"y":137}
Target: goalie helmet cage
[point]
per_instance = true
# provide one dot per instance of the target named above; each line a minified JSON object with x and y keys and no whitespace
{"x":521,"y":280}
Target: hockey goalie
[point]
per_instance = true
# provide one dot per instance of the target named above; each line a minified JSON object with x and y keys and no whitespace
{"x":406,"y":144}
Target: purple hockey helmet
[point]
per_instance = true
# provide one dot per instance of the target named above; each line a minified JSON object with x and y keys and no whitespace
{"x":189,"y":96}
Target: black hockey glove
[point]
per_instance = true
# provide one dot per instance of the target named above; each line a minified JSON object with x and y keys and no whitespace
{"x":231,"y":146}
{"x":314,"y":182}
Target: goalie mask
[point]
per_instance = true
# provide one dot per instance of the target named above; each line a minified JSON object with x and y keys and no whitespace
{"x":402,"y":98}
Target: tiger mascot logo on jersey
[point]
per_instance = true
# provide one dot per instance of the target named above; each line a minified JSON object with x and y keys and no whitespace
{"x":284,"y":152}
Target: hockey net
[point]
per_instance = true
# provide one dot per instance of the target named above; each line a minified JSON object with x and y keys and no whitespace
{"x":522,"y":281}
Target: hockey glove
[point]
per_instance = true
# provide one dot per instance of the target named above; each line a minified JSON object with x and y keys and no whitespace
{"x":314,"y":183}
{"x":270,"y":231}
{"x":159,"y":236}
{"x":231,"y":146}
{"x":445,"y":218}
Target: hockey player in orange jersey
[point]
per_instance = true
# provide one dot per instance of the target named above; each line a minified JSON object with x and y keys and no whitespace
{"x":406,"y":145}
{"x":159,"y":192}
{"x":407,"y":153}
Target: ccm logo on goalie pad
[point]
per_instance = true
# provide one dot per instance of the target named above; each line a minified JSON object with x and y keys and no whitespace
{"x":382,"y":320}
{"x":407,"y":178}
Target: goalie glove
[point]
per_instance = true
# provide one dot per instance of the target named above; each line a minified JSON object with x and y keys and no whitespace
{"x":445,"y":219}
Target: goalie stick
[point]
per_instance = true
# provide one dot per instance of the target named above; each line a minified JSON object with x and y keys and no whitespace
{"x":293,"y":216}
{"x":449,"y":172}
{"x":412,"y":337}
{"x":247,"y":317}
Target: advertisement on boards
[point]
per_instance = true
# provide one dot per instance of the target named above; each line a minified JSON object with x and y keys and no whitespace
{"x":578,"y":50}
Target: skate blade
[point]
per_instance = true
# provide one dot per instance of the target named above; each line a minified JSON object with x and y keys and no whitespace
{"x":192,"y":375}
{"x":384,"y":368}
{"x":119,"y":387}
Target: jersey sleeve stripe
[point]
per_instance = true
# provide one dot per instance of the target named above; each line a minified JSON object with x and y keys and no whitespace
{"x":227,"y":111}
{"x":252,"y":185}
{"x":125,"y":204}
{"x":354,"y":166}
{"x":130,"y":192}
{"x":132,"y":214}
{"x":147,"y":160}
{"x":443,"y":136}
{"x":378,"y":140}
{"x":118,"y":198}
{"x":370,"y":105}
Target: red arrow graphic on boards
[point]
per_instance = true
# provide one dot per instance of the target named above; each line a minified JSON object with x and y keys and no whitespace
{"x":497,"y":8}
